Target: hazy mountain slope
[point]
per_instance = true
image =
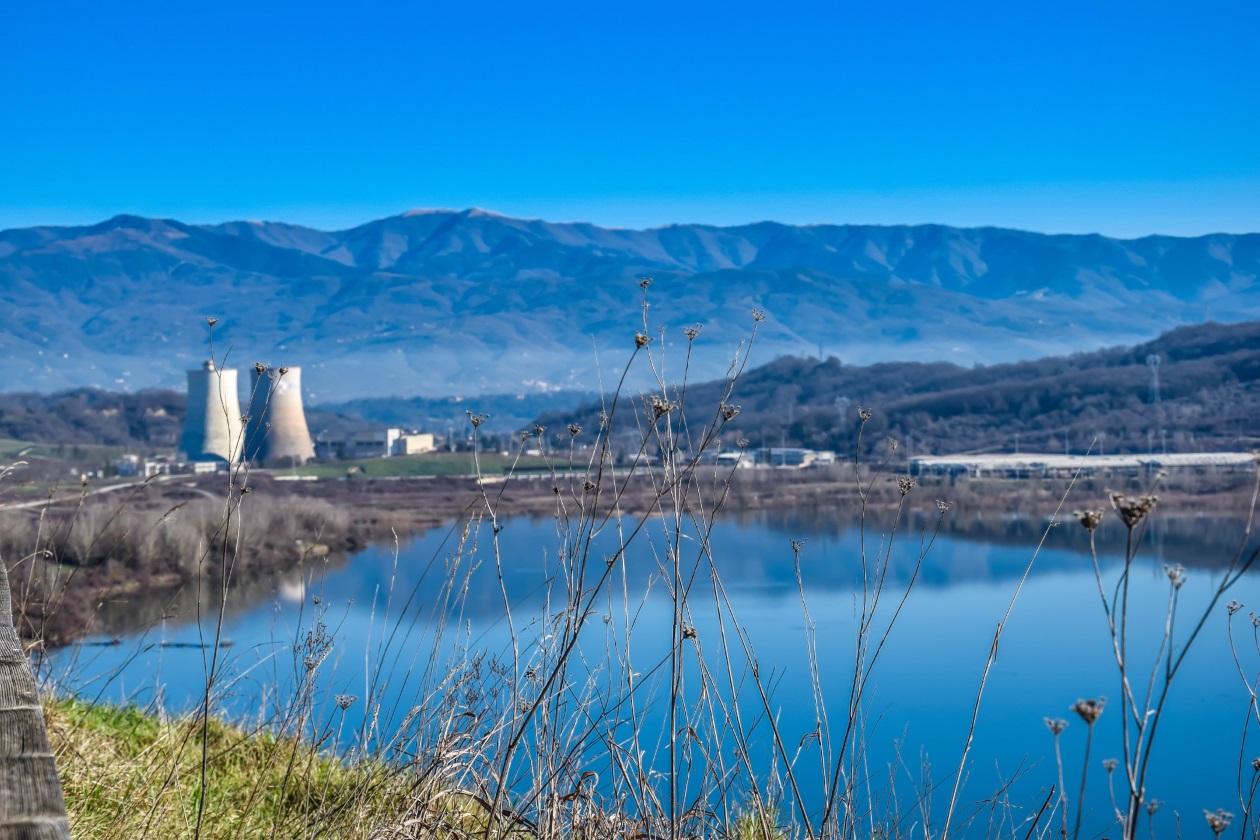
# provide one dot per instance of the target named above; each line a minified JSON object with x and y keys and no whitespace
{"x":1209,"y":387}
{"x":436,"y":302}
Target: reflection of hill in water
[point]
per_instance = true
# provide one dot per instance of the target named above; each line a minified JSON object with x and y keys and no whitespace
{"x":752,"y":552}
{"x":126,"y":614}
{"x":1194,"y":541}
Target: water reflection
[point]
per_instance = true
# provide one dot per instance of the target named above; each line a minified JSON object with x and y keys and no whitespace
{"x":751,"y":549}
{"x":1055,"y":650}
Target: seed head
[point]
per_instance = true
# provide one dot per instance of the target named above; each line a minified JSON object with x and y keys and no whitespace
{"x":864,"y":413}
{"x":1255,"y":764}
{"x":477,"y":419}
{"x":1089,"y":710}
{"x":661,"y":407}
{"x":905,"y":484}
{"x":1176,"y":575}
{"x":1153,"y":805}
{"x":644,"y":282}
{"x":260,"y":368}
{"x":345,"y":701}
{"x":538,"y":430}
{"x":759,"y":315}
{"x":603,"y":420}
{"x":1055,"y":725}
{"x":524,"y":434}
{"x":742,"y":443}
{"x":1219,"y":821}
{"x":1110,"y":764}
{"x":943,"y":506}
{"x":641,"y":339}
{"x":574,"y":428}
{"x":1132,"y":511}
{"x":283,"y":371}
{"x":729,"y":411}
{"x":1089,"y":519}
{"x":692,"y":332}
{"x":211,"y":320}
{"x":1233,"y":607}
{"x":588,"y":485}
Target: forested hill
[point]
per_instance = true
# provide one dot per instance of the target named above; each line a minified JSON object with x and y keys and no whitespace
{"x":1209,"y":387}
{"x":1209,"y":378}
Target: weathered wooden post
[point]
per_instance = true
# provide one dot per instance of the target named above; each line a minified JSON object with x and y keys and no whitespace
{"x":31,"y":805}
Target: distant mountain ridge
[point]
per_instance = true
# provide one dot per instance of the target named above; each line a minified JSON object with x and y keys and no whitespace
{"x":439,"y":302}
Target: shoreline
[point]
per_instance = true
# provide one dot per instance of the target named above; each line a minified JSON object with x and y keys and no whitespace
{"x":58,"y":602}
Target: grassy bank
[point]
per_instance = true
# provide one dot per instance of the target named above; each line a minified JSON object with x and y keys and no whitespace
{"x":126,"y":773}
{"x":66,"y":561}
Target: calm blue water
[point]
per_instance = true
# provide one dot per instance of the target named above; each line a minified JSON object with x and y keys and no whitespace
{"x":1055,"y":650}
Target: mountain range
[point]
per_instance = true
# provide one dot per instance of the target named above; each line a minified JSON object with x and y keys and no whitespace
{"x":465,"y":302}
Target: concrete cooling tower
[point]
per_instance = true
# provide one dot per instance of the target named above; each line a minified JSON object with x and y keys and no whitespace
{"x":212,"y":426}
{"x":277,"y":433}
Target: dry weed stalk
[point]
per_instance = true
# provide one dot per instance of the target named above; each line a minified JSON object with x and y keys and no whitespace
{"x":1142,"y":707}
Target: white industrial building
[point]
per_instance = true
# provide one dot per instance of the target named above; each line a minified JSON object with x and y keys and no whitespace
{"x":1038,"y":465}
{"x":372,"y":443}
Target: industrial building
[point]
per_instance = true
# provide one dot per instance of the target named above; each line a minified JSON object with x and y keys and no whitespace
{"x":277,"y":434}
{"x":274,"y":431}
{"x":1035,"y":465}
{"x":212,"y":426}
{"x":372,"y":443}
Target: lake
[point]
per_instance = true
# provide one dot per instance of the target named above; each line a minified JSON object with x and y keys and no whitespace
{"x":391,"y":632}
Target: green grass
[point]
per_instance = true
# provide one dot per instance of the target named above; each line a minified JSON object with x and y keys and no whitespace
{"x":126,"y":774}
{"x":93,"y":455}
{"x":435,"y":463}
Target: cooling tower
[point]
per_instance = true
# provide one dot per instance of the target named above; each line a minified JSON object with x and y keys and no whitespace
{"x":212,"y":426}
{"x":277,"y":434}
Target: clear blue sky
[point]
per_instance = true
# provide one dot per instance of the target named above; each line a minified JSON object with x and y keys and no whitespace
{"x":1124,"y":118}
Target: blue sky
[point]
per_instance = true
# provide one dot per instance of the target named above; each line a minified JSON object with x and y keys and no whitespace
{"x":1121,"y":118}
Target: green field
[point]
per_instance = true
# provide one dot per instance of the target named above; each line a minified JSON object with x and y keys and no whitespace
{"x":435,"y":463}
{"x":77,"y":453}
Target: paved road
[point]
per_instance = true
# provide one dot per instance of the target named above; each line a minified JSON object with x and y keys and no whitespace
{"x":91,"y":491}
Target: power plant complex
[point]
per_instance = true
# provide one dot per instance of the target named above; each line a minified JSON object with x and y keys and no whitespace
{"x":274,"y":433}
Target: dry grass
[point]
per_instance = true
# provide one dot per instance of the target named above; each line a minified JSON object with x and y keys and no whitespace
{"x":63,"y":563}
{"x":128,"y":774}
